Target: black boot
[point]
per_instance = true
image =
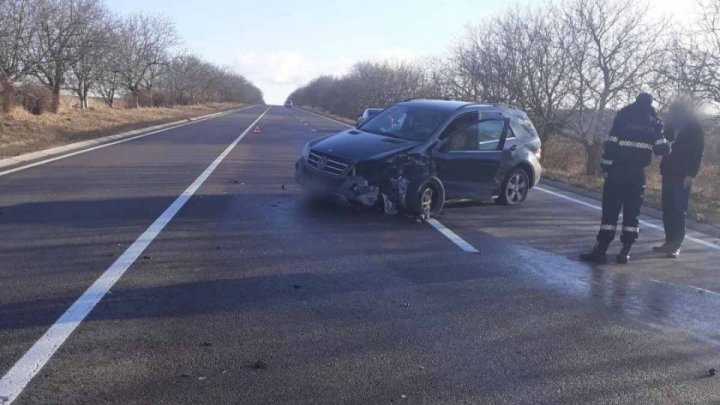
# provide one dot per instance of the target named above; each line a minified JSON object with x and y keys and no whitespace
{"x":624,"y":256}
{"x":598,"y":254}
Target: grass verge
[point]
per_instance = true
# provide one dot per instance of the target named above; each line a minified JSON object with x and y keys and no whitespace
{"x":22,"y":132}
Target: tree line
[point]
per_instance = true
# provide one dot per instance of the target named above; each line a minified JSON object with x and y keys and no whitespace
{"x":81,"y":47}
{"x":569,"y":64}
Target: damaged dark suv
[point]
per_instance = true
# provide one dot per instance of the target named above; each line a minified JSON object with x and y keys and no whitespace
{"x":418,"y":154}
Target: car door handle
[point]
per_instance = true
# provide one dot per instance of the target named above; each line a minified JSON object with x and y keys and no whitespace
{"x":513,"y":148}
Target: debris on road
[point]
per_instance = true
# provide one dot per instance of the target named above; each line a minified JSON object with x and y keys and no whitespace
{"x":206,"y":344}
{"x":260,"y":365}
{"x":146,"y":257}
{"x":713,"y":372}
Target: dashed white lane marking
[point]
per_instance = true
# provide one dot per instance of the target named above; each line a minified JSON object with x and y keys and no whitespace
{"x":445,"y":231}
{"x":454,"y":238}
{"x":643,"y":222}
{"x":105,"y":145}
{"x":15,"y":381}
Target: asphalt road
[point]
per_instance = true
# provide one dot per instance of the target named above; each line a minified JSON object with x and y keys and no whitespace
{"x":245,"y":295}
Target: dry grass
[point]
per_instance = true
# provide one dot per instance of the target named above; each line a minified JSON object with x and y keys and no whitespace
{"x":22,"y":132}
{"x":565,"y":161}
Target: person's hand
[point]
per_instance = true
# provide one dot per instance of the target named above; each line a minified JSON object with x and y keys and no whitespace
{"x":605,"y":175}
{"x":688,"y":182}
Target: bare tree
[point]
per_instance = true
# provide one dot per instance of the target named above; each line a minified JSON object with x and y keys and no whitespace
{"x":144,"y":42}
{"x":698,"y":54}
{"x":105,"y":64}
{"x":92,"y":42}
{"x":58,"y":44}
{"x":612,"y":45}
{"x":533,"y":65}
{"x":17,"y":31}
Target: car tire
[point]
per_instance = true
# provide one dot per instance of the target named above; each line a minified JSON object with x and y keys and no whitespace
{"x":515,"y":188}
{"x":425,"y":198}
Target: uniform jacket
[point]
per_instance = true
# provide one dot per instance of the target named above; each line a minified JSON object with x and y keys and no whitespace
{"x":636,"y":134}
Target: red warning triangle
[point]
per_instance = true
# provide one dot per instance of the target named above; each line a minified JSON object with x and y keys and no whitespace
{"x":257,"y":129}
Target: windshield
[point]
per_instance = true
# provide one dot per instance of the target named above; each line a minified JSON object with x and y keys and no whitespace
{"x":406,"y":122}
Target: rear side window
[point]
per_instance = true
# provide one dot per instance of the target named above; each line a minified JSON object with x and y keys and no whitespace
{"x":481,"y":136}
{"x":489,"y":134}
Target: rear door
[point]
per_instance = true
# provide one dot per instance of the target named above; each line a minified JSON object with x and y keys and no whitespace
{"x":470,"y":153}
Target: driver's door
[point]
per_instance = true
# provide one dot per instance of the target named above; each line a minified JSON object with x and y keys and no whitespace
{"x":469,"y":155}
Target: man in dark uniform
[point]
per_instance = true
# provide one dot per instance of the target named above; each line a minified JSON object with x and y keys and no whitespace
{"x":679,"y":169}
{"x":636,"y":134}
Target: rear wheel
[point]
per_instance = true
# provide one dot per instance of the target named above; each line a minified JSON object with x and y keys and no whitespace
{"x":515,"y":188}
{"x":426,"y":198}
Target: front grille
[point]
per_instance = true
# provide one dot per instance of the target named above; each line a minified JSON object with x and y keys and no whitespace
{"x":326,"y":163}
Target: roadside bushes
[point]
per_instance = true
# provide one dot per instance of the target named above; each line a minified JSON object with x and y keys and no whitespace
{"x":34,"y":98}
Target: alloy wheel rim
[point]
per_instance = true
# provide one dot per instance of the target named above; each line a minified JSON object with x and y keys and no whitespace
{"x":516,"y":188}
{"x":426,"y":201}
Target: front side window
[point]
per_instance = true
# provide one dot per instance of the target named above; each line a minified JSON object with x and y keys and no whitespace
{"x":481,"y":136}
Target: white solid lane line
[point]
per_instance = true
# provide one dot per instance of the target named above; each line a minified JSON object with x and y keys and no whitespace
{"x":105,"y":145}
{"x":454,"y":238}
{"x":642,"y":222}
{"x":15,"y":381}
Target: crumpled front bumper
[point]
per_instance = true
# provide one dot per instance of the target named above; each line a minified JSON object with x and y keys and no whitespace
{"x":345,"y":190}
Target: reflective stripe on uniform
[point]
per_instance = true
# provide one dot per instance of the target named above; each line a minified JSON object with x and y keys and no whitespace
{"x":631,"y":229}
{"x":661,"y":141}
{"x":639,"y":145}
{"x":613,"y":139}
{"x":610,"y":228}
{"x":607,"y":162}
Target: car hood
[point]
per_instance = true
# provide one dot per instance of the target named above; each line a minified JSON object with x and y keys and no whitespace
{"x":355,"y":145}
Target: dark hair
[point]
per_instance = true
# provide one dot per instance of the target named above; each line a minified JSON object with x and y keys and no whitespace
{"x":644,"y":99}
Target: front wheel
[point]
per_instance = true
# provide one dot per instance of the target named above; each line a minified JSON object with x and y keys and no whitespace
{"x":426,"y":198}
{"x":515,"y":188}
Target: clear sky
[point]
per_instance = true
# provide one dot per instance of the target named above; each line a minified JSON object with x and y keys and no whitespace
{"x":282,"y":44}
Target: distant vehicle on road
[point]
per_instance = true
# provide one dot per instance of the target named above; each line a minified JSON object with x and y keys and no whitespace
{"x":289,"y":104}
{"x":367,"y":115}
{"x":415,"y":155}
